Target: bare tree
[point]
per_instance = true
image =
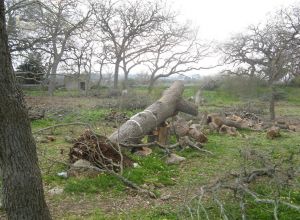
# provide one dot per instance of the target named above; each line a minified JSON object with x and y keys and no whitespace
{"x":61,"y":27}
{"x":134,"y":57}
{"x":21,"y":29}
{"x":22,"y":182}
{"x":124,"y":24}
{"x":177,"y":51}
{"x":265,"y":51}
{"x":48,"y":27}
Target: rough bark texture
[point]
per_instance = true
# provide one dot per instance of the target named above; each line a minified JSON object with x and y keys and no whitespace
{"x":144,"y":122}
{"x":23,"y":195}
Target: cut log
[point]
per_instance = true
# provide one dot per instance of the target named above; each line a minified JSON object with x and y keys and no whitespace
{"x":163,"y":134}
{"x":144,"y":122}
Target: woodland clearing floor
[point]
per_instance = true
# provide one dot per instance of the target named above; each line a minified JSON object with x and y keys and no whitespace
{"x":105,"y":198}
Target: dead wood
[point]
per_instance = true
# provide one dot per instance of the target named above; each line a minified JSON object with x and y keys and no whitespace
{"x":99,"y":151}
{"x":146,"y":121}
{"x":240,"y":184}
{"x":62,"y":125}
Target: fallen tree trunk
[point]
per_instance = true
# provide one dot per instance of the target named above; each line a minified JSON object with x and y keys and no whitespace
{"x":144,"y":122}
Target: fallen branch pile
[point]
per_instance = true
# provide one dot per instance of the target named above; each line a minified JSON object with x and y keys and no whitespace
{"x":99,"y":151}
{"x":275,"y":176}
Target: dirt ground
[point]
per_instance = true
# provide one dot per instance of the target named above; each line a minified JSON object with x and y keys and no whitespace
{"x":81,"y":206}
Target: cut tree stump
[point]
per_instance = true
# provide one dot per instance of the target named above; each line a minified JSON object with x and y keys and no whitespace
{"x":141,"y":124}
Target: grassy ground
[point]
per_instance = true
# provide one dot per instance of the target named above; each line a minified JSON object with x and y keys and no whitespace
{"x":105,"y":197}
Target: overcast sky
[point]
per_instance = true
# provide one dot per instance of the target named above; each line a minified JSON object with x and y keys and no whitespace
{"x":217,"y":19}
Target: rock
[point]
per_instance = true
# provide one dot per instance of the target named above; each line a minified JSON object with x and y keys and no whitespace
{"x":174,"y":159}
{"x":143,"y":151}
{"x":83,"y":168}
{"x":273,"y":132}
{"x":56,"y":191}
{"x":63,"y":174}
{"x":136,"y":165}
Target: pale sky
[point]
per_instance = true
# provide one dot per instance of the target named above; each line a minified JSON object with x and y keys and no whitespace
{"x":217,"y":19}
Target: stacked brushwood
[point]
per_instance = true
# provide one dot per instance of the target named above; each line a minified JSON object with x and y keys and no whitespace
{"x":99,"y":151}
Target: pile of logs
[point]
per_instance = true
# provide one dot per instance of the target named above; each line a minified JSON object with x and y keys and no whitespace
{"x":101,"y":151}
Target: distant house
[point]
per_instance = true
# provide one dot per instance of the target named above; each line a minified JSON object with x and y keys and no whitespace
{"x":73,"y":82}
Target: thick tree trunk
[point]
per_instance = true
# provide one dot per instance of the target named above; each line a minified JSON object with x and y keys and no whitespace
{"x":116,"y":73}
{"x":125,"y":82}
{"x":52,"y":78}
{"x":144,"y":122}
{"x":23,"y":195}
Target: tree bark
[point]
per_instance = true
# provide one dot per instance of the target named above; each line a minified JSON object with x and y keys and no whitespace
{"x":52,"y":78}
{"x":125,"y":82}
{"x":144,"y":122}
{"x":116,"y":73}
{"x":151,"y":84}
{"x":23,"y":195}
{"x":272,"y":104}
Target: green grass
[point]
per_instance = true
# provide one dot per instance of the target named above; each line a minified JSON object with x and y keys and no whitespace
{"x":152,"y":170}
{"x":293,"y":95}
{"x":42,"y":123}
{"x":198,"y":169}
{"x":160,"y":213}
{"x":219,"y":97}
{"x":101,"y":183}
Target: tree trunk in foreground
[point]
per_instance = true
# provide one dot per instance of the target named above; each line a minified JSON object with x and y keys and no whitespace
{"x":23,"y":195}
{"x":144,"y":122}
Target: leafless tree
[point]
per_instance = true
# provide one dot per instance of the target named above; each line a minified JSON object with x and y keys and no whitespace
{"x":103,"y":60}
{"x":266,"y":51}
{"x":20,"y":15}
{"x":61,"y":25}
{"x":125,"y":24}
{"x":48,"y":27}
{"x":177,"y":51}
